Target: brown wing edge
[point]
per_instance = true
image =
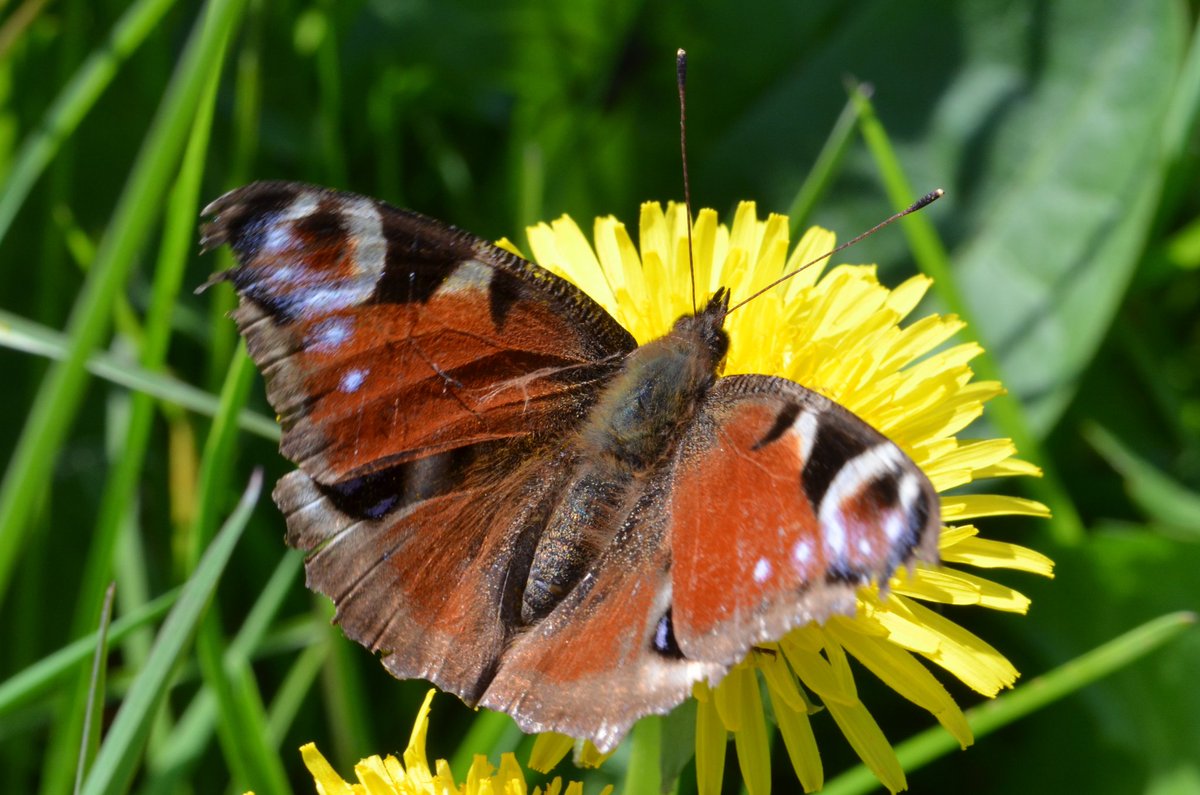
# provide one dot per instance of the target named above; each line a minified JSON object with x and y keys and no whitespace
{"x":432,"y":584}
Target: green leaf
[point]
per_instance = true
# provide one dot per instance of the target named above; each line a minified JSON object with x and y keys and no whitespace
{"x":1042,"y":122}
{"x":1160,"y":497}
{"x":1027,"y":698}
{"x":1063,"y":212}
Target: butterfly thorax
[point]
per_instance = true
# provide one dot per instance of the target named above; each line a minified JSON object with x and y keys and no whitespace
{"x":634,"y":423}
{"x":629,"y":435}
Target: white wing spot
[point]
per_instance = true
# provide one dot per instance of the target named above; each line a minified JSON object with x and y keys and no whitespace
{"x":277,"y":239}
{"x":802,"y":554}
{"x":864,"y":546}
{"x":835,"y":534}
{"x":352,"y":380}
{"x":894,"y":526}
{"x":365,"y":228}
{"x":806,"y":426}
{"x":329,"y":335}
{"x":762,"y":570}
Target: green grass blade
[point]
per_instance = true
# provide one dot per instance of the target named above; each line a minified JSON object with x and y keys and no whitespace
{"x":266,"y":606}
{"x":177,"y":238}
{"x":60,"y":392}
{"x":294,"y":691}
{"x":1042,"y":691}
{"x":75,"y":100}
{"x":241,"y":716}
{"x":24,"y":335}
{"x":45,"y":674}
{"x":241,"y":705}
{"x":826,"y":166}
{"x":181,"y":751}
{"x":244,"y":141}
{"x":933,"y":260}
{"x":117,"y":501}
{"x":220,"y":451}
{"x":119,"y":755}
{"x":90,"y":741}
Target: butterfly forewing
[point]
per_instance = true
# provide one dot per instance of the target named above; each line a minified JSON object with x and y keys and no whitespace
{"x":358,"y":313}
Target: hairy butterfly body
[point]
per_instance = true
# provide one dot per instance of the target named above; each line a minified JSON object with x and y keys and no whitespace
{"x":505,"y":495}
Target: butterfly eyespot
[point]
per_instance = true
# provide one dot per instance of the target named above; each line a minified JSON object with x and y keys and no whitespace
{"x":664,"y":637}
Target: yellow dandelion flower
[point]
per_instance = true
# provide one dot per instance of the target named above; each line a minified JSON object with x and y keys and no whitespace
{"x":838,"y":333}
{"x":390,"y":776}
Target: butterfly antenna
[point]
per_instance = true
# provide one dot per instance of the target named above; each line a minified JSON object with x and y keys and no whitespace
{"x":681,"y":82}
{"x":924,"y":201}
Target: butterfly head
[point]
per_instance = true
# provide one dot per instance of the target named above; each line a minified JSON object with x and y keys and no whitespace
{"x":705,"y":329}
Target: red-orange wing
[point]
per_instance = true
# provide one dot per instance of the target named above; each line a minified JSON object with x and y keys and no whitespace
{"x":782,"y":504}
{"x":603,"y":658}
{"x":386,"y":337}
{"x":777,"y":506}
{"x":432,"y":582}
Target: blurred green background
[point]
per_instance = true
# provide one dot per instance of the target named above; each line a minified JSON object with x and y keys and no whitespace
{"x":1064,"y":134}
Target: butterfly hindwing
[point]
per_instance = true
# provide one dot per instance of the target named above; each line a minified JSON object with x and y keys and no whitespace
{"x":808,"y":503}
{"x":604,"y":657}
{"x":434,"y":585}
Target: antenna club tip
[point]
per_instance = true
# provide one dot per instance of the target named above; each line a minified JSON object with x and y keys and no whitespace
{"x":926,"y":200}
{"x":681,"y":53}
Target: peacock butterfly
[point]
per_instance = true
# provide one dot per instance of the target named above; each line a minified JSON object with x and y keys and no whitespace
{"x":505,"y":495}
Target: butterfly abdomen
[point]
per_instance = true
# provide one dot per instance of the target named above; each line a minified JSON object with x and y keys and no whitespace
{"x":630,"y":433}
